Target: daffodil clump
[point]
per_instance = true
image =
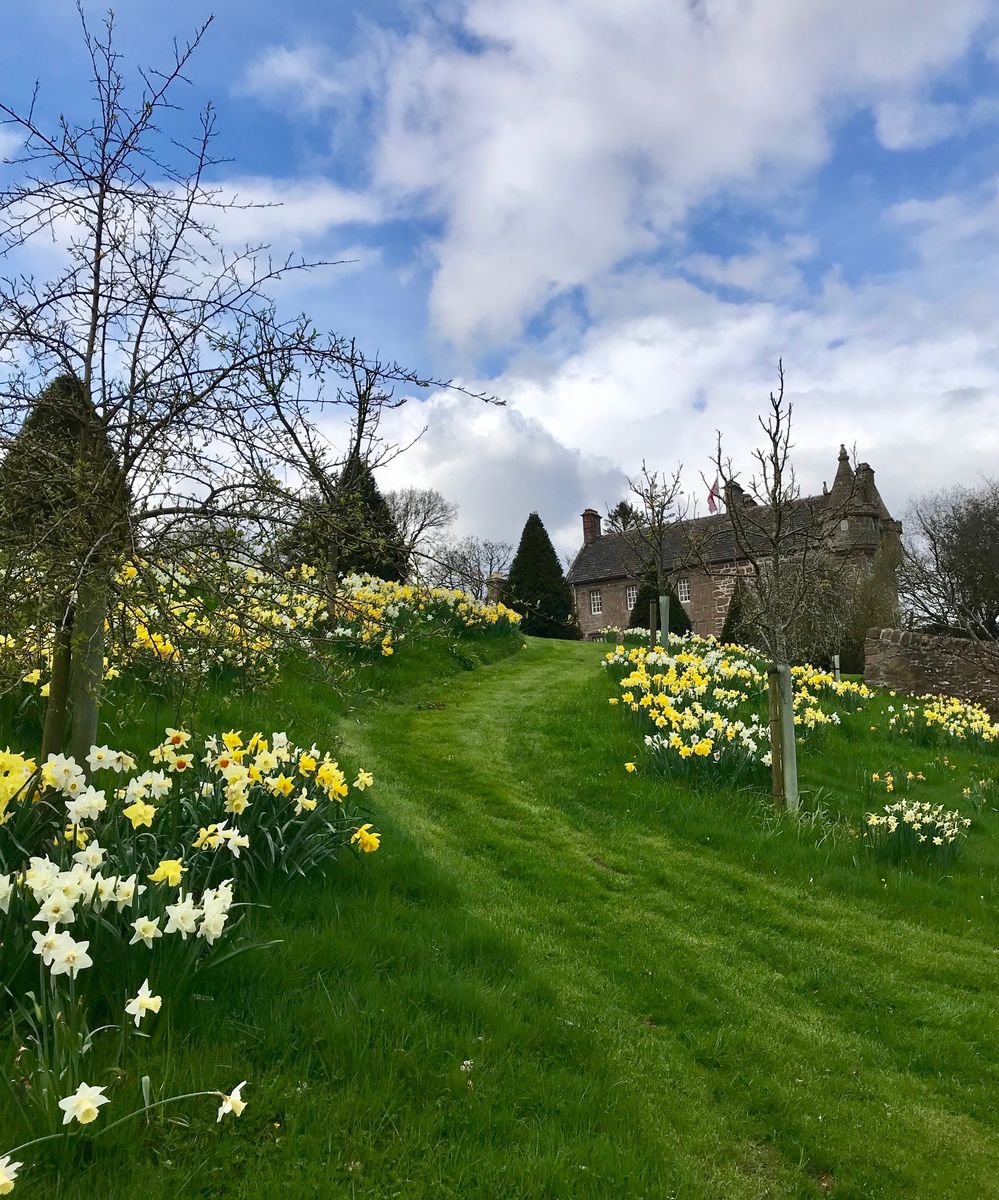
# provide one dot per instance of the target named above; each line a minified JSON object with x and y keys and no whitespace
{"x":690,"y":694}
{"x":373,"y":612}
{"x":707,"y":704}
{"x":912,"y":829}
{"x":935,"y":720}
{"x":165,"y":620}
{"x":119,"y":881}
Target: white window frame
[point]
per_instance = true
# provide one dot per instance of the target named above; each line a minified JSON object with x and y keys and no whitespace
{"x":683,"y":591}
{"x":631,"y":596}
{"x":596,"y":603}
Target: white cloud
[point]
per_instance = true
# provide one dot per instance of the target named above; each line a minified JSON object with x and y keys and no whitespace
{"x":300,"y":76}
{"x":905,"y":368}
{"x":10,"y":142}
{"x":906,"y":123}
{"x":500,"y":465}
{"x":292,"y":211}
{"x":770,"y":268}
{"x":554,"y":140}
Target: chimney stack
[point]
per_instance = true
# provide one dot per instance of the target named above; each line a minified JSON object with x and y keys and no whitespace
{"x":591,"y":526}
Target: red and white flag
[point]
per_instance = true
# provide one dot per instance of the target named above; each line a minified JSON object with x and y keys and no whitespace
{"x":713,"y":497}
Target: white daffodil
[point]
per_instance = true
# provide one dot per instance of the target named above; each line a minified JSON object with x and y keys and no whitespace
{"x":144,"y":1002}
{"x":69,"y":956}
{"x":46,"y":943}
{"x":83,"y":1105}
{"x":233,"y":1103}
{"x":99,"y":758}
{"x":91,"y":856}
{"x":6,"y":891}
{"x":8,"y":1174}
{"x":56,"y":910}
{"x":87,"y":806}
{"x":146,"y":929}
{"x":183,"y":916}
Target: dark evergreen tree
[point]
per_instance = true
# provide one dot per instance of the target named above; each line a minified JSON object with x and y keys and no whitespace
{"x":61,"y":485}
{"x":354,"y":532}
{"x":622,"y":517}
{"x":679,"y":622}
{"x":735,"y":616}
{"x":536,"y":585}
{"x":64,"y":506}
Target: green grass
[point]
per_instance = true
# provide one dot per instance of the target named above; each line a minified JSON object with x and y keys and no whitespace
{"x":663,"y":993}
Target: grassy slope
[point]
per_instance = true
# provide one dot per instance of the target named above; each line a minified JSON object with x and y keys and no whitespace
{"x":662,"y":994}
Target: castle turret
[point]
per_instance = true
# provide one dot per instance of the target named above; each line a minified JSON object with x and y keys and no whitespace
{"x":844,"y":484}
{"x":857,"y":517}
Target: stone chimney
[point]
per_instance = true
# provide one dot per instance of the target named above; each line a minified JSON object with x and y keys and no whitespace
{"x":494,"y":587}
{"x":591,"y":526}
{"x":735,"y":496}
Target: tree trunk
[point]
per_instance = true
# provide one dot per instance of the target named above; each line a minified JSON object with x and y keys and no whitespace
{"x":88,"y":663}
{"x":58,"y":700}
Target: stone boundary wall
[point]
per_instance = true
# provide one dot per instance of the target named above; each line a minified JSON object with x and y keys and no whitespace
{"x":923,"y":662}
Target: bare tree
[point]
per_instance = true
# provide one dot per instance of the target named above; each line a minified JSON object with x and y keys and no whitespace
{"x":182,"y":363}
{"x":652,"y":519}
{"x":469,"y":563}
{"x":949,"y":580}
{"x":421,"y":516}
{"x":783,"y":538}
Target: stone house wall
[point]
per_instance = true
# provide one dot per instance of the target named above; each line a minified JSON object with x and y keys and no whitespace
{"x":921,"y":662}
{"x":707,"y":607}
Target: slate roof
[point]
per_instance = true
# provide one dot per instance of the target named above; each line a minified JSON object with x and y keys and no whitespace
{"x":612,"y":556}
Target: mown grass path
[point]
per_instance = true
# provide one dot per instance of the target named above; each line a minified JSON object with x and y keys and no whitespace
{"x":660,"y":994}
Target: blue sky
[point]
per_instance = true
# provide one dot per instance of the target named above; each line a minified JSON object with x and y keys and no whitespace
{"x":617,"y":217}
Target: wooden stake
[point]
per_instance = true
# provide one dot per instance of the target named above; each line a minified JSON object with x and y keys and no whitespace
{"x":783,"y":755}
{"x":652,"y":624}
{"x":664,"y":619}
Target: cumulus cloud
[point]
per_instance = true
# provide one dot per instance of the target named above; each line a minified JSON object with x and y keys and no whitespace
{"x":904,"y":369}
{"x":555,"y":140}
{"x":291,"y":211}
{"x":558,"y":154}
{"x":500,"y":464}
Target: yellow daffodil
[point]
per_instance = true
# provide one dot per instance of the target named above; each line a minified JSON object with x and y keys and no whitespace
{"x":366,"y":839}
{"x":140,"y":813}
{"x":170,"y":872}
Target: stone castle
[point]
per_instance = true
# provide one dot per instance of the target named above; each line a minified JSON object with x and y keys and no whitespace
{"x":604,"y":575}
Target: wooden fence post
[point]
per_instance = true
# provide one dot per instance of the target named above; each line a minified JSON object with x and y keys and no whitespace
{"x":652,"y":624}
{"x":836,"y":667}
{"x":664,"y":619}
{"x":783,"y":756}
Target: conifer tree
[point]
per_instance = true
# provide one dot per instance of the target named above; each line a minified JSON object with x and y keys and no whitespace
{"x":648,"y":593}
{"x":735,"y":617}
{"x":536,"y":585}
{"x":352,"y":533}
{"x":64,"y":504}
